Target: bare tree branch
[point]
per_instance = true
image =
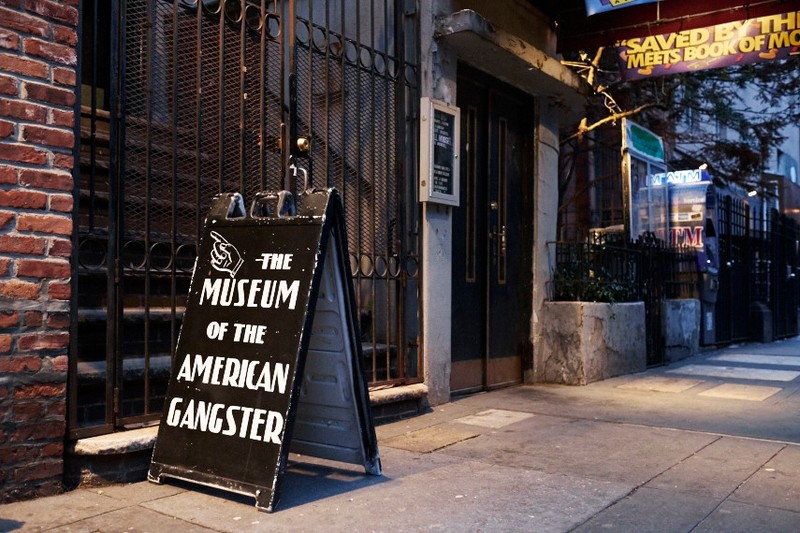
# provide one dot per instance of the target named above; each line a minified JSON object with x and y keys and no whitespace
{"x":584,"y":127}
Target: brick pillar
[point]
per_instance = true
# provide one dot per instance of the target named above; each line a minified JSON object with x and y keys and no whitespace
{"x":38,"y":61}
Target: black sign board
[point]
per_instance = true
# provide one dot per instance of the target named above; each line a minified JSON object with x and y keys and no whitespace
{"x":439,"y":147}
{"x":269,"y":355}
{"x":443,"y":177}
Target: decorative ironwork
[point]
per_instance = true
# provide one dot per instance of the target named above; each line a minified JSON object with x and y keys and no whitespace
{"x":179,"y":104}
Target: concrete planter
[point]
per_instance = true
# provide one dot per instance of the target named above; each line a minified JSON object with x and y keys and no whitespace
{"x":584,"y":342}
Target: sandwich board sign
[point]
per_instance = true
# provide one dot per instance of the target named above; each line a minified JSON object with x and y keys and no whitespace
{"x":269,"y":356}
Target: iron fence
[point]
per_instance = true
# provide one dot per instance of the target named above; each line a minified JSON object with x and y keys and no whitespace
{"x":759,"y":263}
{"x":738,"y":263}
{"x":603,"y":269}
{"x":609,"y":268}
{"x":784,"y":289}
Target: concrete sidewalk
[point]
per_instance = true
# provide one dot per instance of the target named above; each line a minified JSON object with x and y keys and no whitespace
{"x":708,"y":444}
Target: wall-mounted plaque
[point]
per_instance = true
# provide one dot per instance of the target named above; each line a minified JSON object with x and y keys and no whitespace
{"x":440,"y":130}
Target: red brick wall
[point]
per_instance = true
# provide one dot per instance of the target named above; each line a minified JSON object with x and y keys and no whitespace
{"x":38,"y":63}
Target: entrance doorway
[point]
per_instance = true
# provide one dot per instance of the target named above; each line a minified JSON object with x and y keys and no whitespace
{"x":492,"y":236}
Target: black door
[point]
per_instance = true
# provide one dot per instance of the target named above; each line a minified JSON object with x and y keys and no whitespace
{"x":492,"y":236}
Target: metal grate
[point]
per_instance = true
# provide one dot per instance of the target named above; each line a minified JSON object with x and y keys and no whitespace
{"x":201,"y":100}
{"x":352,"y":87}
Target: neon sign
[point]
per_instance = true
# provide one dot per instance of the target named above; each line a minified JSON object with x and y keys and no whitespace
{"x":679,"y":177}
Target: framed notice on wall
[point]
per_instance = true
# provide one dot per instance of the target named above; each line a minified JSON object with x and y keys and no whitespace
{"x":440,"y":130}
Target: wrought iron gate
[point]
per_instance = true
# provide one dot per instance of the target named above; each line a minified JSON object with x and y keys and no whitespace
{"x":758,"y":265}
{"x":785,"y":284}
{"x":652,"y":274}
{"x":182,"y":99}
{"x":733,"y":301}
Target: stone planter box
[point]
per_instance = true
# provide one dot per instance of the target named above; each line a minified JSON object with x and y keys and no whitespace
{"x":584,"y":342}
{"x":681,"y":329}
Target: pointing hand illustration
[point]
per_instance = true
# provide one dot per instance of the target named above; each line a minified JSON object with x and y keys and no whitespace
{"x":224,"y":256}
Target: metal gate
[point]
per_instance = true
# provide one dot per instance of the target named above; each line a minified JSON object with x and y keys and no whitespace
{"x":182,"y":99}
{"x":733,"y":300}
{"x":653,"y":277}
{"x":785,"y":285}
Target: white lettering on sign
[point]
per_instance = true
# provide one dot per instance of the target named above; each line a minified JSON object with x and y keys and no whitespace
{"x":246,"y":333}
{"x":233,"y":372}
{"x":677,"y":177}
{"x":243,"y":422}
{"x":249,"y":333}
{"x":264,"y":293}
{"x":271,"y":261}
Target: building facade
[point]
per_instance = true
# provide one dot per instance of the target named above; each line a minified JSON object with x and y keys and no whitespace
{"x":120,"y":121}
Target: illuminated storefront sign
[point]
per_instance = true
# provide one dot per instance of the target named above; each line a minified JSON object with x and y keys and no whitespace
{"x":688,"y":209}
{"x":679,"y":177}
{"x":733,"y":43}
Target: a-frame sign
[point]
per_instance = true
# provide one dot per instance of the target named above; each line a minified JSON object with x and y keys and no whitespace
{"x":269,"y":355}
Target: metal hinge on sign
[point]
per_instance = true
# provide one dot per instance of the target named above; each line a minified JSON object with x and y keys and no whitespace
{"x":116,"y":400}
{"x":410,"y":8}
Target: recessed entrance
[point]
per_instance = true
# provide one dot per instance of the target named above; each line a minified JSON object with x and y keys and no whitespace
{"x":492,"y":235}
